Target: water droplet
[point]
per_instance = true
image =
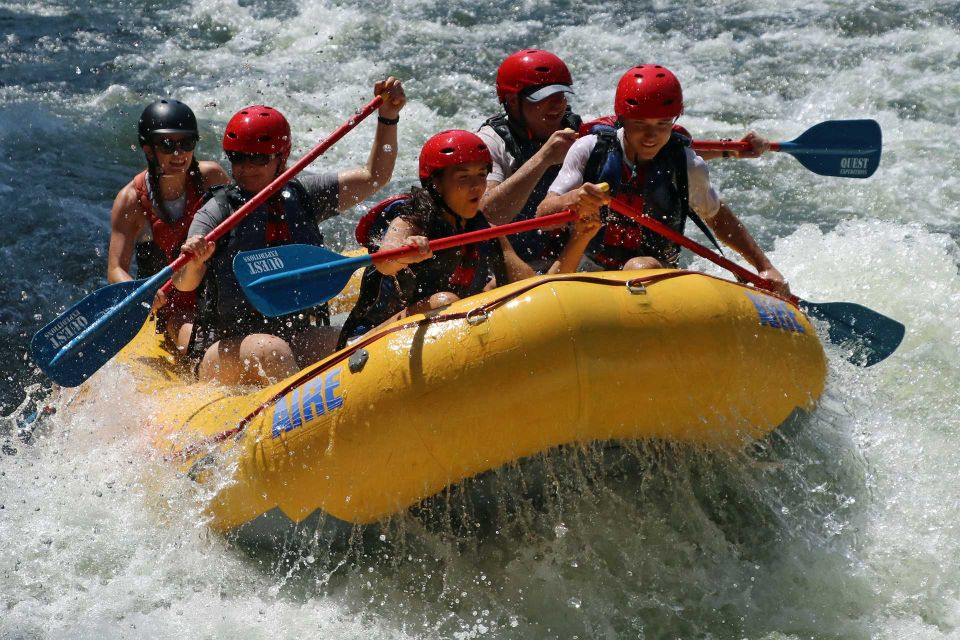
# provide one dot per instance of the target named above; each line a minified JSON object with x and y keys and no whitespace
{"x":387,"y":148}
{"x":560,"y":530}
{"x":310,"y":559}
{"x":574,"y":602}
{"x":383,"y":538}
{"x":78,"y":72}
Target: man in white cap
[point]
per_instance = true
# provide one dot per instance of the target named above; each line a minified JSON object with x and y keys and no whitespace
{"x":528,"y":143}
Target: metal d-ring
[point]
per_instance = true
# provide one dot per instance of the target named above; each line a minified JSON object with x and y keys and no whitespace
{"x":635,"y":286}
{"x":477,"y":316}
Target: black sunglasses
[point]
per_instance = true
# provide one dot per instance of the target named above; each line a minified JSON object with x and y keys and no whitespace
{"x":259,"y":159}
{"x":171,"y":145}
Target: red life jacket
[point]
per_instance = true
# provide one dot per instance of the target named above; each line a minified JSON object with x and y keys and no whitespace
{"x":374,"y":223}
{"x":619,"y":232}
{"x":167,"y":237}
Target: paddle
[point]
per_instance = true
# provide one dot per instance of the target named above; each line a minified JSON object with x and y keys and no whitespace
{"x":288,"y":278}
{"x":869,"y":336}
{"x":84,"y":337}
{"x":843,"y":148}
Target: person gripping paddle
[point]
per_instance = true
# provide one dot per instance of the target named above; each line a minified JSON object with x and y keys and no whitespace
{"x":233,"y":342}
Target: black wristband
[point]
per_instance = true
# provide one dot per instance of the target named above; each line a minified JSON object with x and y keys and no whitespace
{"x":726,"y":152}
{"x":388,"y":121}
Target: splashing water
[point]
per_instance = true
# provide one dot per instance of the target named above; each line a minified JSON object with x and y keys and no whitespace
{"x":840,"y":525}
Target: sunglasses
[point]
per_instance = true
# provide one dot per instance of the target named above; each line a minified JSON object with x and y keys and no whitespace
{"x":170,"y":145}
{"x":259,"y":159}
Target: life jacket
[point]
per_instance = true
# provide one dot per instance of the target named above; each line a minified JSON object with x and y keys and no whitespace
{"x":289,"y":217}
{"x":658,"y":188}
{"x":164,"y":247}
{"x":168,"y":236}
{"x":538,"y":244}
{"x":374,"y":223}
{"x":463,"y":271}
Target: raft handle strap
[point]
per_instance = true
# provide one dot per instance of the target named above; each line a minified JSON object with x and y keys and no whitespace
{"x":636,"y":287}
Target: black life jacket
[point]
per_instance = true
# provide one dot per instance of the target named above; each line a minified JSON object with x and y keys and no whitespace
{"x":659,"y":189}
{"x":537,"y":244}
{"x":288,"y":218}
{"x":463,"y":271}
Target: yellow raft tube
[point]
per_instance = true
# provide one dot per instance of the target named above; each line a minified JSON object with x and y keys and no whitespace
{"x":432,"y":400}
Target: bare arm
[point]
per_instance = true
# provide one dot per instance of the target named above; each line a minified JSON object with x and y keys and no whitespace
{"x":731,"y":232}
{"x":126,"y":221}
{"x":401,"y":233}
{"x":517,"y":269}
{"x":213,"y":174}
{"x":504,"y":200}
{"x":190,"y":276}
{"x":356,"y":185}
{"x":583,"y":231}
{"x":587,"y":199}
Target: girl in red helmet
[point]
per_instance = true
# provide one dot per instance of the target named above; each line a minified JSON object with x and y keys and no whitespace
{"x":453,"y":173}
{"x":232,"y":342}
{"x":650,"y":165}
{"x":151,"y":215}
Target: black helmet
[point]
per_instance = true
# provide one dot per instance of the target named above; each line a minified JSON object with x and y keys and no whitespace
{"x":166,"y":116}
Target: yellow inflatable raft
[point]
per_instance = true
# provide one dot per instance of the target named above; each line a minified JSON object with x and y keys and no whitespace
{"x":431,"y":400}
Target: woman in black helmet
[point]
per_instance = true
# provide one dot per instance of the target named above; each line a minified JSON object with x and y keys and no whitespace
{"x":152,"y":214}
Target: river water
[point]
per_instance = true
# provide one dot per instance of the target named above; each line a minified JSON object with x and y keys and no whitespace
{"x":841,"y":525}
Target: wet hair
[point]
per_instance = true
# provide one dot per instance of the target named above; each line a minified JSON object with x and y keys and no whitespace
{"x":423,"y":205}
{"x":426,"y":202}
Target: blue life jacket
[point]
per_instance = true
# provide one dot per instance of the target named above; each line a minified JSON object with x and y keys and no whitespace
{"x":659,"y":189}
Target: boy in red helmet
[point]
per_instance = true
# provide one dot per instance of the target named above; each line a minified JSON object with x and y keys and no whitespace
{"x":232,"y":341}
{"x":453,"y":174}
{"x":650,"y":166}
{"x":529,"y":141}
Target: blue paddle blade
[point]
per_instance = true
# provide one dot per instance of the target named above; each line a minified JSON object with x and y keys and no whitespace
{"x":109,"y":316}
{"x":869,"y":336}
{"x":293,"y":277}
{"x":843,"y":148}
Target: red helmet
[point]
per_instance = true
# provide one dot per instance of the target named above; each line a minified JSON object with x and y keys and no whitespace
{"x":648,"y":91}
{"x":450,"y":148}
{"x":258,"y":129}
{"x":532,"y":68}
